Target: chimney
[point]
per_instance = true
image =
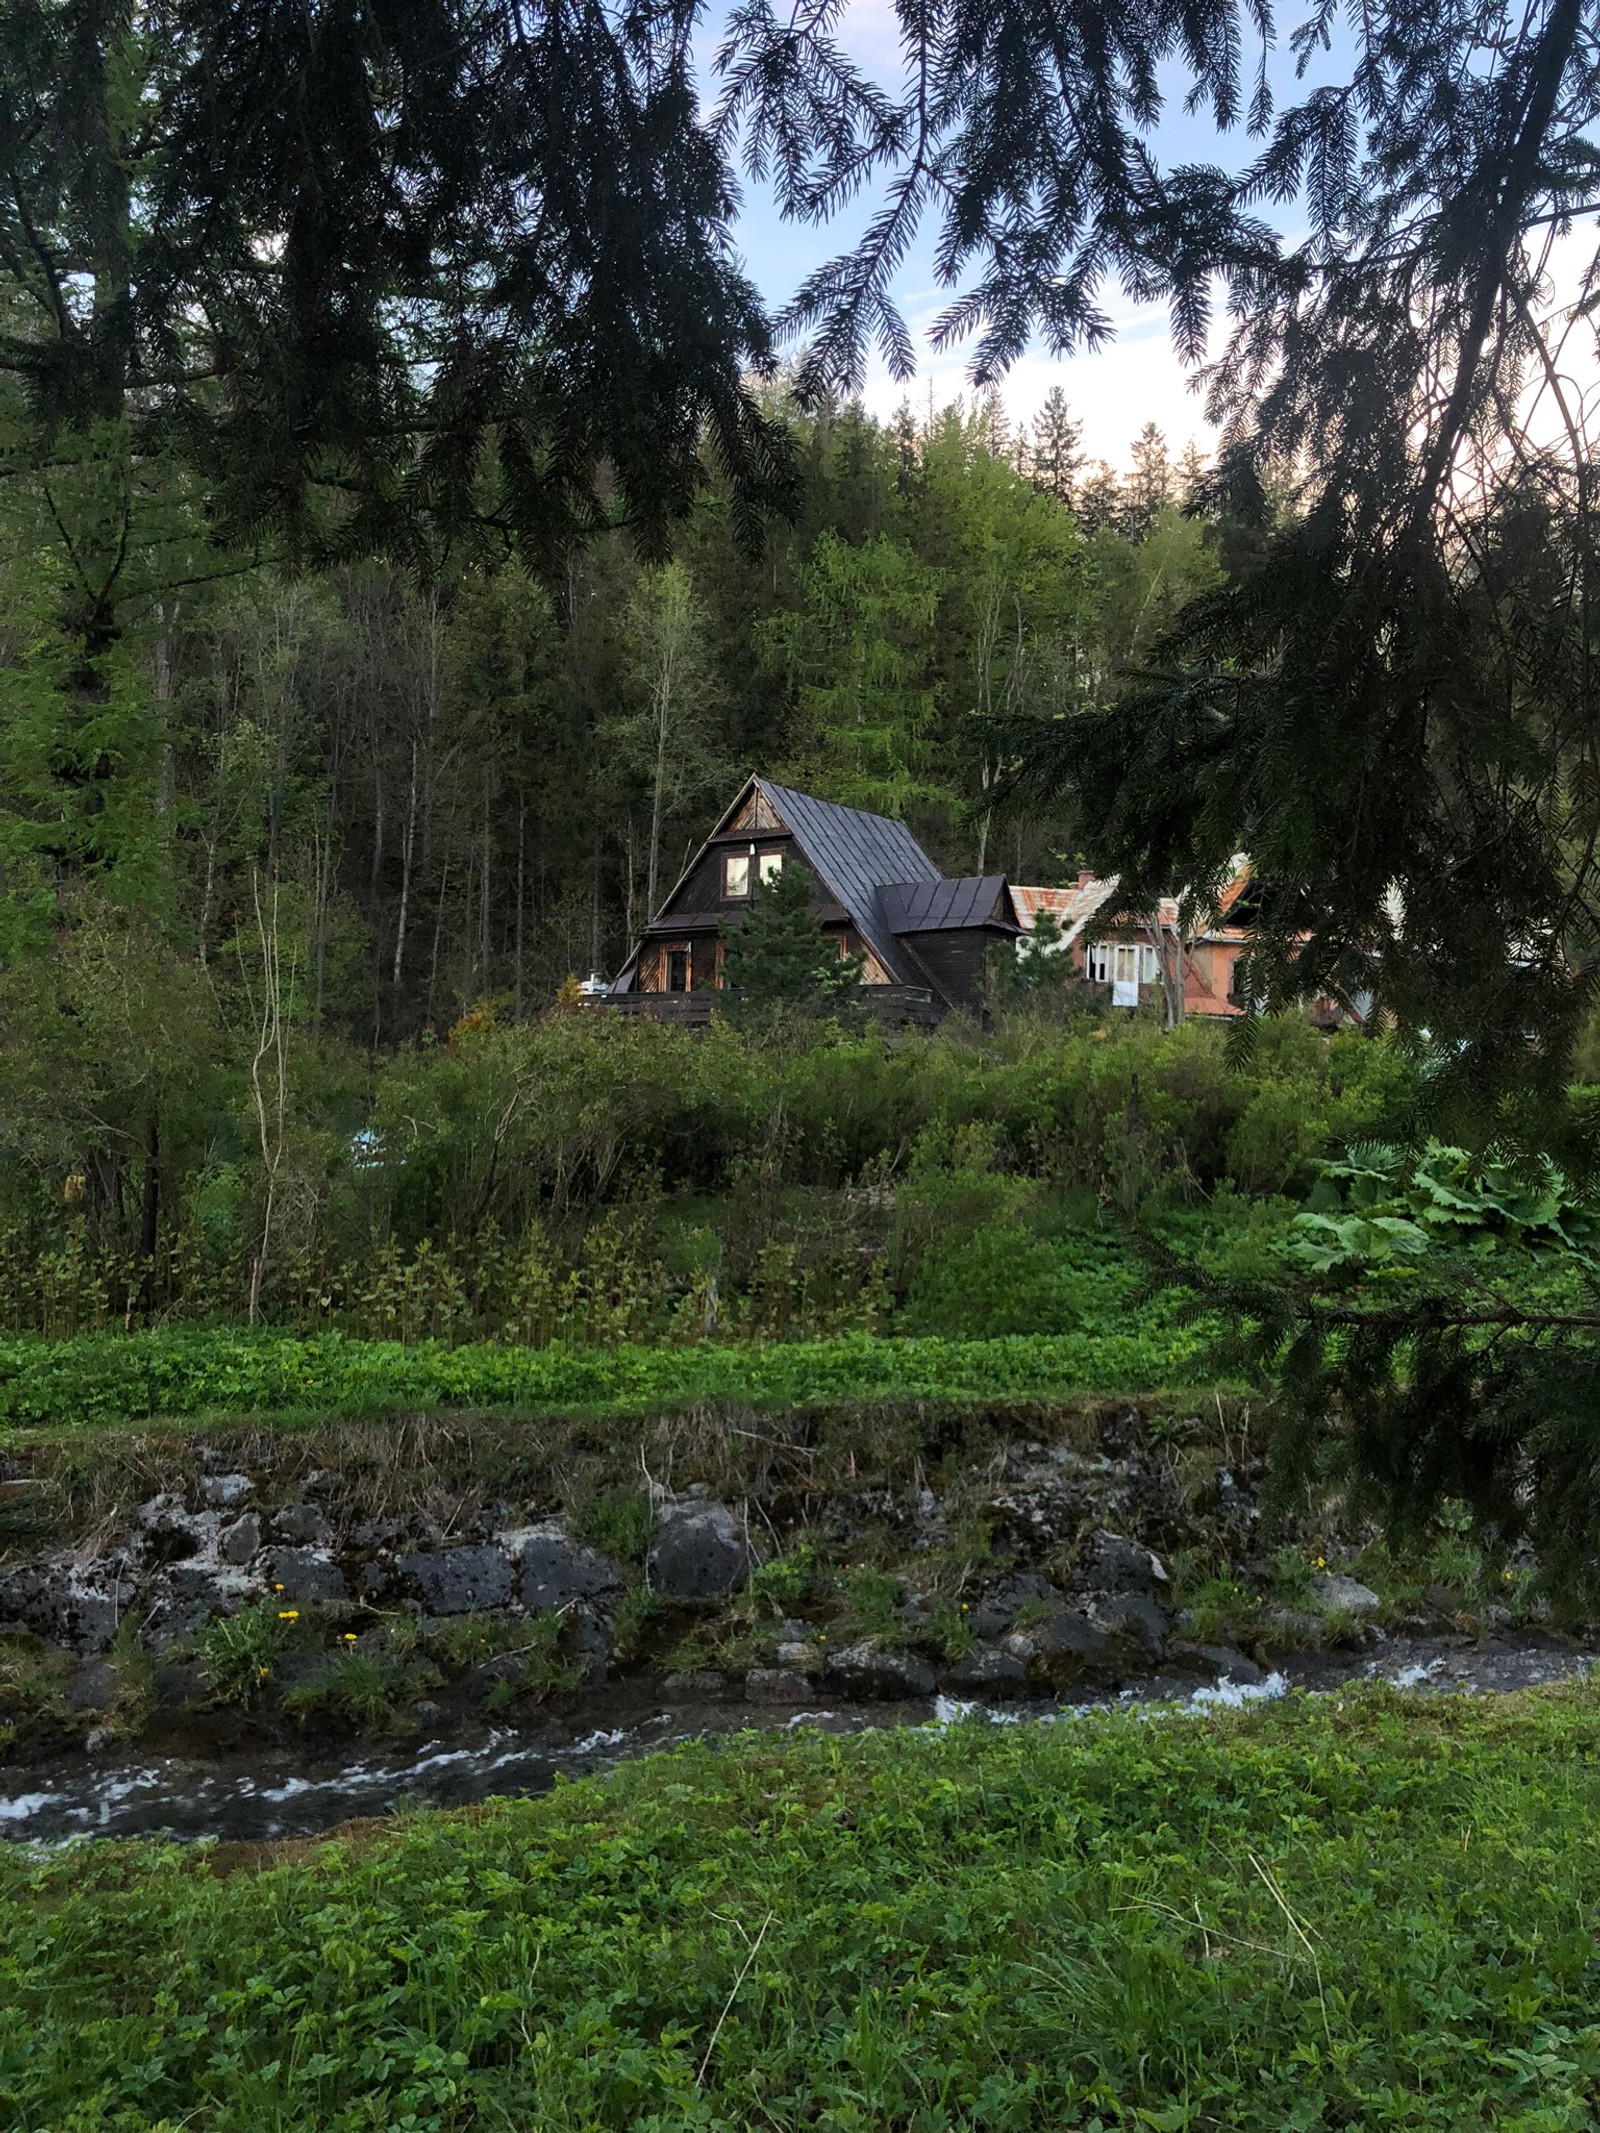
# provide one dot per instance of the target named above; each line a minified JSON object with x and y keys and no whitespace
{"x":1084,"y":878}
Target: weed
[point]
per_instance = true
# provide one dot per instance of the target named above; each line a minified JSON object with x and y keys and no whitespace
{"x":636,"y":1610}
{"x":134,"y":1665}
{"x":870,"y":1598}
{"x":688,"y":1656}
{"x":778,"y":1587}
{"x":352,"y":1683}
{"x":238,"y":1651}
{"x":1293,"y":1577}
{"x":32,"y":1677}
{"x":621,"y":1522}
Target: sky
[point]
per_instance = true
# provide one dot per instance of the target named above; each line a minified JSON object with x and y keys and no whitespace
{"x":1112,"y":391}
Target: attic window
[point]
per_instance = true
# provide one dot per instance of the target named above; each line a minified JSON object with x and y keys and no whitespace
{"x":771,"y":864}
{"x":736,"y":874}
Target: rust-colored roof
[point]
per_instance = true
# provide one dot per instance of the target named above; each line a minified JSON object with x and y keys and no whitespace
{"x":1088,"y":897}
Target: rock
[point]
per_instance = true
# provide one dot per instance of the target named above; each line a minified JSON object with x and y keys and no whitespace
{"x":1113,"y":1563}
{"x":61,"y":1602}
{"x":1231,"y":1499}
{"x":92,"y":1688}
{"x":1343,"y":1596}
{"x":1294,"y":1626}
{"x":176,"y":1683}
{"x":798,"y":1653}
{"x":100,"y":1740}
{"x":702,"y":1681}
{"x":1124,"y":1434}
{"x":1229,"y":1665}
{"x":989,"y":1667}
{"x":863,"y":1670}
{"x":453,"y":1581}
{"x":427,"y":1710}
{"x":322,"y":1483}
{"x":777,"y":1684}
{"x":999,"y":1610}
{"x":167,"y":1533}
{"x":700,"y":1553}
{"x":1134,"y":1618}
{"x":1067,"y":1644}
{"x":554,"y":1570}
{"x":194,"y":1593}
{"x":302,"y":1525}
{"x":238,"y":1542}
{"x":220,"y":1492}
{"x":592,"y":1636}
{"x":306,"y":1574}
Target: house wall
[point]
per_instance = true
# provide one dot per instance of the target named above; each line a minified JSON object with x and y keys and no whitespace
{"x":707,"y":917}
{"x":956,"y":961}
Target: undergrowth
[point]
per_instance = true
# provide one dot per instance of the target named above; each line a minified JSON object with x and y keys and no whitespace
{"x":102,"y":1379}
{"x":1320,"y":1915}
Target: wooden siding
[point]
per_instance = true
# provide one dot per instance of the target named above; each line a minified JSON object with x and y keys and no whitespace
{"x":957,"y":961}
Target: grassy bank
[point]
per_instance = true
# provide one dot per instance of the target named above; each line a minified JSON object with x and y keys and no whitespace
{"x":107,"y":1378}
{"x":1302,"y":1917}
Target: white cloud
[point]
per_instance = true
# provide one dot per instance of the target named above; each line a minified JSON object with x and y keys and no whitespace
{"x":1113,"y":391}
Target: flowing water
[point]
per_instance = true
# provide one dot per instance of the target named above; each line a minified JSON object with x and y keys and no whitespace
{"x":273,"y":1794}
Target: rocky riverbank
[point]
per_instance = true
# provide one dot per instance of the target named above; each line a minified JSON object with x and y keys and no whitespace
{"x":226,"y":1588}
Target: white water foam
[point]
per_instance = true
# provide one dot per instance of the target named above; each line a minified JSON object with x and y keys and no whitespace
{"x":1234,"y":1695}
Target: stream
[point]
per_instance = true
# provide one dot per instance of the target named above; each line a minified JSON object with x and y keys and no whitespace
{"x":266,"y":1795}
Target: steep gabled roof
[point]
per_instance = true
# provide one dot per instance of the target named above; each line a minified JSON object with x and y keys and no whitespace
{"x":946,"y":906}
{"x":857,"y":857}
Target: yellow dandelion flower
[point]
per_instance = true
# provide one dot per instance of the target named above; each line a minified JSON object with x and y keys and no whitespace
{"x":288,"y":1614}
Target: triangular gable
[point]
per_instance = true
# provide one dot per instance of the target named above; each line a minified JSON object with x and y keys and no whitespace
{"x":754,"y":811}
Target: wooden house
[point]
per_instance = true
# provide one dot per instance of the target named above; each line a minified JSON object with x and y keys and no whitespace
{"x":1120,"y":953}
{"x":923,"y":937}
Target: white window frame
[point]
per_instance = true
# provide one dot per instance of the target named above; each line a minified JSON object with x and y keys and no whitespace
{"x":768,"y":867}
{"x":730,"y":860}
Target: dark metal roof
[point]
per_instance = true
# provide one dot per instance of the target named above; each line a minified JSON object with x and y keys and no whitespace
{"x":946,"y":906}
{"x":858,"y":856}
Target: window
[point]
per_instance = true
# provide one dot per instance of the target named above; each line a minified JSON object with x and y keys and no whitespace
{"x":771,"y":867}
{"x":1122,"y":963}
{"x":675,"y":962}
{"x":736,"y":873}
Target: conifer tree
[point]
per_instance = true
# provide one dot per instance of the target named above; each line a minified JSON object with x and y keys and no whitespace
{"x":1055,"y":450}
{"x":1149,"y":486}
{"x":781,"y":956}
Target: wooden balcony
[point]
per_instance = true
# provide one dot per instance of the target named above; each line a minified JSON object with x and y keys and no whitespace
{"x":895,"y":1006}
